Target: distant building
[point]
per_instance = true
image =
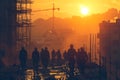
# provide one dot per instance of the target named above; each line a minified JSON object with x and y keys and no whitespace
{"x":109,"y":37}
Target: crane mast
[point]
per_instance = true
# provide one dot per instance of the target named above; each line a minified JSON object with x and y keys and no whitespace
{"x":53,"y":14}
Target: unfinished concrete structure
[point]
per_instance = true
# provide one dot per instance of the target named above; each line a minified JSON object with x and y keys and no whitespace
{"x":15,"y":27}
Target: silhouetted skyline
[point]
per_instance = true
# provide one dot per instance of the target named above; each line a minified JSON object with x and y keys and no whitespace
{"x":74,"y":30}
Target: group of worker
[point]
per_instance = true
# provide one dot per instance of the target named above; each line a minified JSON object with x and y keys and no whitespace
{"x":71,"y":56}
{"x":43,"y":56}
{"x":80,"y":57}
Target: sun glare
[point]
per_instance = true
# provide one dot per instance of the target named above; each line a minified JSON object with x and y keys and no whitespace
{"x":84,"y":11}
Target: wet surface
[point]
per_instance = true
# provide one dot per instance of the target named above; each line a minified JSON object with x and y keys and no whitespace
{"x":52,"y":73}
{"x":56,"y":73}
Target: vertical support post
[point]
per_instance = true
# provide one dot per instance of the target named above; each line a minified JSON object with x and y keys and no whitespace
{"x":90,"y":49}
{"x":53,"y":16}
{"x":95,"y":48}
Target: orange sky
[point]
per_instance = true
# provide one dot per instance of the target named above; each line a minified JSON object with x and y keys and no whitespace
{"x":69,"y":8}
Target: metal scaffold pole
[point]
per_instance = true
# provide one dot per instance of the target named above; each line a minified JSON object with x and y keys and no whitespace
{"x":23,"y":23}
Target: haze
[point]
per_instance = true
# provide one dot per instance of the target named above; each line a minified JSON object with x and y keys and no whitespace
{"x":74,"y":30}
{"x":69,"y":8}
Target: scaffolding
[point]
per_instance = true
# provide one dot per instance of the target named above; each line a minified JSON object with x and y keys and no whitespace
{"x":23,"y":19}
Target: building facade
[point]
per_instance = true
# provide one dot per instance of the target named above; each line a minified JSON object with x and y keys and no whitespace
{"x":109,"y":37}
{"x":15,"y":28}
{"x":8,"y":28}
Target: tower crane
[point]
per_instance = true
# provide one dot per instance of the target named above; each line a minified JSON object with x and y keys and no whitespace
{"x":50,"y":36}
{"x":53,"y":15}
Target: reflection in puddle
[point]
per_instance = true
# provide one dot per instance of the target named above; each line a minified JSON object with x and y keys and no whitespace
{"x":57,"y":74}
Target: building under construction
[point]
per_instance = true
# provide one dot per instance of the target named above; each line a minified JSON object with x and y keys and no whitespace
{"x":110,"y":48}
{"x":15,"y":27}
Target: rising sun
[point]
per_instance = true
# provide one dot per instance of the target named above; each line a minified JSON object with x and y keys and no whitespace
{"x":84,"y":11}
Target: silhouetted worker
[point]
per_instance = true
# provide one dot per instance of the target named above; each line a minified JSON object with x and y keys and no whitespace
{"x":65,"y":56}
{"x":59,"y":58}
{"x":23,"y":58}
{"x":45,"y":57}
{"x":53,"y":57}
{"x":35,"y":59}
{"x":71,"y":59}
{"x":81,"y":59}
